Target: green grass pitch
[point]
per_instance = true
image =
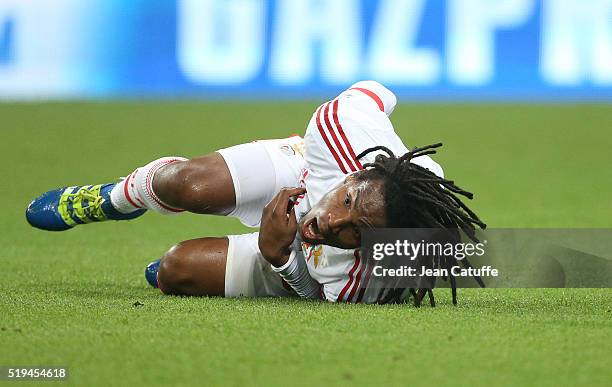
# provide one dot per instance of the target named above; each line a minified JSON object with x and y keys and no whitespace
{"x":68,"y":298}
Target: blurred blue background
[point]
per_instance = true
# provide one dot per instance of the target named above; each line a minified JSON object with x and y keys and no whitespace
{"x":448,"y":50}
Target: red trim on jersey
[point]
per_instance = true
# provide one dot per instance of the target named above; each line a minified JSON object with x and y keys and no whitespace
{"x":350,"y":281}
{"x":365,"y":284}
{"x":358,"y":278}
{"x":343,"y":135}
{"x":330,"y":128}
{"x":372,"y":95}
{"x":126,"y":191}
{"x":329,"y":145}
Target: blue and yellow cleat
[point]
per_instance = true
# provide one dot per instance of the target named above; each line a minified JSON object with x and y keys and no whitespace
{"x":151,"y":273}
{"x":64,"y":208}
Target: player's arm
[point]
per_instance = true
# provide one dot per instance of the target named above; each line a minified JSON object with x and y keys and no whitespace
{"x":276,"y":235}
{"x":295,"y":273}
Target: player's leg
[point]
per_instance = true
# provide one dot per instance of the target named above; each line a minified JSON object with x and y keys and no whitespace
{"x":172,"y":185}
{"x":195,"y":268}
{"x":230,"y":267}
{"x":168,"y":185}
{"x":255,"y":172}
{"x":64,"y":208}
{"x":202,"y":185}
{"x":238,"y":181}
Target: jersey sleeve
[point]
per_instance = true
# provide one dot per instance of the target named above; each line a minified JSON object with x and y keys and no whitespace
{"x":340,"y":129}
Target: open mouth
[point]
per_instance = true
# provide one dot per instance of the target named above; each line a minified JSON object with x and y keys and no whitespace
{"x":311,"y":231}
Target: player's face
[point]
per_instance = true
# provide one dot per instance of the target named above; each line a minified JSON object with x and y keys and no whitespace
{"x":337,"y":219}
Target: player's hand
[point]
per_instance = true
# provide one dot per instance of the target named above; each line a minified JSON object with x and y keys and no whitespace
{"x":279,"y":226}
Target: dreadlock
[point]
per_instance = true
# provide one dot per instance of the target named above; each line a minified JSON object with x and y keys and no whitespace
{"x":417,"y":198}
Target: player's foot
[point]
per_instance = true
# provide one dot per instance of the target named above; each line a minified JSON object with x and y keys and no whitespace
{"x":151,"y":273}
{"x":64,"y":208}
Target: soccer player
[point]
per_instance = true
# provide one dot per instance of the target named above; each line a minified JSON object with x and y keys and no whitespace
{"x":310,"y":197}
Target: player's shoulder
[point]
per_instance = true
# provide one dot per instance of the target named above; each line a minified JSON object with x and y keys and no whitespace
{"x":366,"y":97}
{"x":371,"y":95}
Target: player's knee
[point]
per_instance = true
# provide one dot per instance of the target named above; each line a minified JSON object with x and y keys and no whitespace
{"x":185,"y":184}
{"x":174,"y":276}
{"x":193,"y":180}
{"x":167,"y":183}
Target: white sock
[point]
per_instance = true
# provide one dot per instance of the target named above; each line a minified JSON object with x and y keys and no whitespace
{"x":136,"y":190}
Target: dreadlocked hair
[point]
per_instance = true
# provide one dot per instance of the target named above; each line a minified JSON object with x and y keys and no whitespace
{"x":417,"y":198}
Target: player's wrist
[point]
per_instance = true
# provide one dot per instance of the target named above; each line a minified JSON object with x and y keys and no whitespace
{"x":275,"y":255}
{"x":295,"y":273}
{"x":280,"y":259}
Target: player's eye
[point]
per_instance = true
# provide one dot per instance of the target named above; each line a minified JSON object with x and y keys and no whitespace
{"x":347,"y":201}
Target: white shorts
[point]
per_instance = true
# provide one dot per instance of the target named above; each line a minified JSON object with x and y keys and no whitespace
{"x":248,"y":274}
{"x":259,"y":170}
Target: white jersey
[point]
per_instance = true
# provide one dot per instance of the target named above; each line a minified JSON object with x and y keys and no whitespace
{"x":338,"y":131}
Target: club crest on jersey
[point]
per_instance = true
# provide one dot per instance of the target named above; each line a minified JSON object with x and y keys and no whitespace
{"x":313,"y":252}
{"x":297,"y":145}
